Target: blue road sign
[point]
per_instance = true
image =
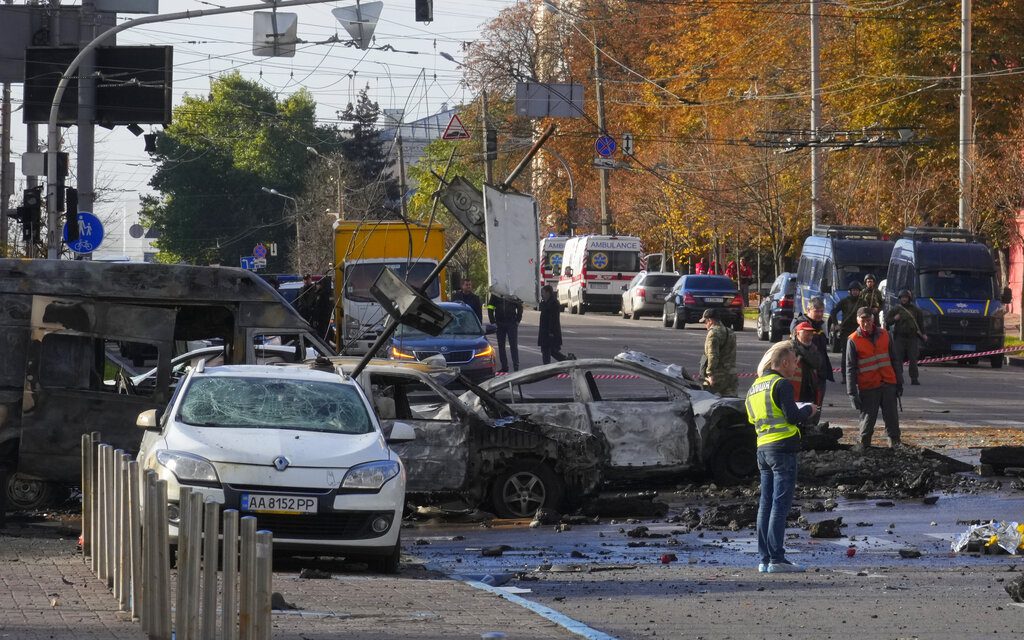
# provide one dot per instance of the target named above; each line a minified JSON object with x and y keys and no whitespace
{"x":259,"y":251}
{"x":247,"y":262}
{"x":90,"y":234}
{"x":605,"y":146}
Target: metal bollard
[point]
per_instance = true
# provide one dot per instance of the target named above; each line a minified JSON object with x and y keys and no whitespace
{"x":123,"y":539}
{"x":163,"y":567}
{"x":195,"y":555}
{"x":229,"y":604}
{"x":115,"y":526}
{"x":135,"y":538}
{"x":180,"y":597}
{"x":94,"y":559}
{"x":247,"y":579}
{"x":86,"y":495}
{"x":211,"y":546}
{"x":150,"y":540}
{"x":109,"y":519}
{"x":101,"y":499}
{"x":264,"y":577}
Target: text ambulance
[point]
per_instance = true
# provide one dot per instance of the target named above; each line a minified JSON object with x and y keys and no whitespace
{"x":594,"y":270}
{"x":551,"y":249}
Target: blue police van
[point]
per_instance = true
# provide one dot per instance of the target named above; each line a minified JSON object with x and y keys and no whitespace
{"x":953,"y":278}
{"x":834,"y":257}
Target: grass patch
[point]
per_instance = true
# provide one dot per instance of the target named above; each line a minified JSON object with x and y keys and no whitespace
{"x":750,"y":313}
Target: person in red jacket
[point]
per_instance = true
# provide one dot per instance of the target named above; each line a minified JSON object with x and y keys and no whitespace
{"x":730,"y":269}
{"x":702,"y":267}
{"x":746,"y":279}
{"x":871,"y":380}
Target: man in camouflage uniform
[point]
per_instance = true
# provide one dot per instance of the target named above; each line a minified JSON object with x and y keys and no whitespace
{"x":848,"y":308}
{"x":871,"y":298}
{"x":905,"y":322}
{"x":718,"y":366}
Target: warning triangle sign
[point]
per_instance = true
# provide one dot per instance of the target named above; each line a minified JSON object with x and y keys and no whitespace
{"x":455,"y":130}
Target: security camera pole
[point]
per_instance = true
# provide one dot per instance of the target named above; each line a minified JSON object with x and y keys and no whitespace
{"x":53,"y":181}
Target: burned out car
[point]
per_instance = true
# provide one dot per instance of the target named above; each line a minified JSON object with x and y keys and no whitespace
{"x":652,"y":417}
{"x":486,"y":454}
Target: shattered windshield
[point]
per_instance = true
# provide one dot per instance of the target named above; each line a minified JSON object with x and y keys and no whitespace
{"x":270,"y":403}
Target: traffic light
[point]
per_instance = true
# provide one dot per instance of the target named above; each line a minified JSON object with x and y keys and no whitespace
{"x":31,"y":211}
{"x":492,"y":144}
{"x":424,"y":10}
{"x":71,"y":214}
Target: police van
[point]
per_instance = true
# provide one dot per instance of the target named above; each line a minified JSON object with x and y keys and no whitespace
{"x":551,"y":249}
{"x":953,"y":278}
{"x":594,"y":270}
{"x":832,"y":259}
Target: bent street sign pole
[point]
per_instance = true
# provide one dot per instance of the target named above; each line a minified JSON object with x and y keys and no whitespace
{"x":53,"y":239}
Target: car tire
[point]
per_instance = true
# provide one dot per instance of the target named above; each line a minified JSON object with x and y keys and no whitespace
{"x":738,"y":325}
{"x":581,"y":307}
{"x":774,"y":335}
{"x":996,"y":361}
{"x":762,"y":335}
{"x":665,"y":321}
{"x":677,"y":322}
{"x":735,"y":459}
{"x":388,"y":563}
{"x":524,"y":486}
{"x":622,"y":311}
{"x":23,"y":493}
{"x":573,"y":310}
{"x":635,"y":315}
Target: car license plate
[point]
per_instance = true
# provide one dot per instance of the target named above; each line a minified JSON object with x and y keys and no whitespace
{"x":963,"y":347}
{"x":262,"y":503}
{"x":714,"y":299}
{"x":659,"y":298}
{"x":598,"y":285}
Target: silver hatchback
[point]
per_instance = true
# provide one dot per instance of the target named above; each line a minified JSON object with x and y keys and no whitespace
{"x":645,"y":294}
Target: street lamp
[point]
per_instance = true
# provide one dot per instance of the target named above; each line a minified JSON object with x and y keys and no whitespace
{"x":298,"y":239}
{"x":337,"y":167}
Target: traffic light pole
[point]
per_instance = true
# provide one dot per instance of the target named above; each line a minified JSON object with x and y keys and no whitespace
{"x":53,"y":133}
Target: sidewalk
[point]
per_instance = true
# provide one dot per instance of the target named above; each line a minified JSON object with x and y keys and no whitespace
{"x":49,"y":593}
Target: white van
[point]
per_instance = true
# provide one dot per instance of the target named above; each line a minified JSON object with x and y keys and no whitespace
{"x":551,"y":249}
{"x":594,"y":270}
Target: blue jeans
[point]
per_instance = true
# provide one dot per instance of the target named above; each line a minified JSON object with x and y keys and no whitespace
{"x":778,"y":484}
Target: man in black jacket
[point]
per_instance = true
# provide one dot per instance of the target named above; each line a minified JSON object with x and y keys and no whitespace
{"x":466,"y":296}
{"x":814,"y":316}
{"x":506,"y":313}
{"x":549,"y":332}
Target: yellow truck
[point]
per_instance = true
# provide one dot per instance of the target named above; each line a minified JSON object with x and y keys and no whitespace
{"x":361,"y":251}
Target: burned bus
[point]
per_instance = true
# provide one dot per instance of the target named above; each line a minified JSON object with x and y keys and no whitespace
{"x":78,"y":334}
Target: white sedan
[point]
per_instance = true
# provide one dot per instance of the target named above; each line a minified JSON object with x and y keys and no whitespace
{"x":296,"y":446}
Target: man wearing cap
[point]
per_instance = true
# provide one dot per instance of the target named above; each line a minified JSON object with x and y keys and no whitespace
{"x":718,"y":366}
{"x":814,"y":316}
{"x":806,"y":380}
{"x":871,"y":380}
{"x":871,"y":297}
{"x":848,"y":308}
{"x":905,"y":321}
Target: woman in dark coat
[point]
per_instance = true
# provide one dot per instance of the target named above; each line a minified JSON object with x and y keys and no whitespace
{"x":323,"y":307}
{"x":549,"y":333}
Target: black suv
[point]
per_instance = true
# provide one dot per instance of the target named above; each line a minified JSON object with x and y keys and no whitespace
{"x":693,"y":294}
{"x":775,"y":313}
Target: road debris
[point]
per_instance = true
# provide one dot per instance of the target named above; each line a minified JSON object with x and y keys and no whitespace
{"x":278,"y":603}
{"x":909,"y":554}
{"x":314,"y":574}
{"x":1016,"y":588}
{"x":494,"y":552}
{"x":1002,"y":537}
{"x":826,"y":529}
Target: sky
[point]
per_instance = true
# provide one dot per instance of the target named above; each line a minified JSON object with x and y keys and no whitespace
{"x":421,"y":83}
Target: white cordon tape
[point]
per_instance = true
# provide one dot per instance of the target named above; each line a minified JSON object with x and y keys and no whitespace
{"x":962,"y":356}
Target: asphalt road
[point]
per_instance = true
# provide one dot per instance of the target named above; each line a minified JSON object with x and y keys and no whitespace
{"x":950,"y":393}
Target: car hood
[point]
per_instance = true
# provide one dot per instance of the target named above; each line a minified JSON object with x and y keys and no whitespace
{"x":262,"y":446}
{"x":446,"y":344}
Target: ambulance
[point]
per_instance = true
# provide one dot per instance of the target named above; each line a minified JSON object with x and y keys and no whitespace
{"x":551,"y":249}
{"x":595,"y":269}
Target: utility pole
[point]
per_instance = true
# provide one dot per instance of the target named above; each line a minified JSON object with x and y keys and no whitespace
{"x":606,"y":218}
{"x":86,"y":113}
{"x":488,"y":162}
{"x":815,"y":118}
{"x":966,"y":138}
{"x":6,"y":176}
{"x":401,"y":171}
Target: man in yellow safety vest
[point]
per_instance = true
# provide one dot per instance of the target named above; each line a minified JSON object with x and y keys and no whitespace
{"x":776,"y":419}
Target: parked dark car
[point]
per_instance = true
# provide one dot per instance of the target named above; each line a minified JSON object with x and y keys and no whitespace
{"x":645,"y":294}
{"x":693,"y":294}
{"x":463,"y":343}
{"x":775,"y":313}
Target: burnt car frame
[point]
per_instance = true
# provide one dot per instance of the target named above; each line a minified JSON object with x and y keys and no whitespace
{"x":653,"y":418}
{"x":476,"y":448}
{"x":64,"y":325}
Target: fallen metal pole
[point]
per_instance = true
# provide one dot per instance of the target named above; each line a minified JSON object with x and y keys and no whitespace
{"x":264,"y":587}
{"x":229,"y":604}
{"x":247,"y":579}
{"x":211,"y":546}
{"x":534,"y":150}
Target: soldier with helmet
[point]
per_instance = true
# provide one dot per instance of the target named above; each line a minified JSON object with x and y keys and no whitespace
{"x":906,"y":324}
{"x":718,"y":366}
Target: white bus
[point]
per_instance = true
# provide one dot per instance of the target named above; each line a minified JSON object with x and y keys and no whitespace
{"x":594,"y":270}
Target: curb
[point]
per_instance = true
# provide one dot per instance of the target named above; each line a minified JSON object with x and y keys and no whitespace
{"x":1015,"y":362}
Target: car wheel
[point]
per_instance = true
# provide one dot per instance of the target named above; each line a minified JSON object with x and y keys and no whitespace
{"x":386,"y":564}
{"x":665,"y":320}
{"x":774,"y":335}
{"x":573,"y":309}
{"x":28,"y":494}
{"x":735,"y":459}
{"x":738,"y":325}
{"x":761,"y":333}
{"x":635,"y":314}
{"x":677,"y":321}
{"x":996,"y":361}
{"x":523,"y":487}
{"x":581,"y":307}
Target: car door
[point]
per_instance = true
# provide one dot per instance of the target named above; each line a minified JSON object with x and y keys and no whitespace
{"x":549,"y":396}
{"x":438,"y":459}
{"x":648,"y":425}
{"x":77,"y":382}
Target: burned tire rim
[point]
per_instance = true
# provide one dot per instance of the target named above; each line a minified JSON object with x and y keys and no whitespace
{"x":523,"y":493}
{"x":25,"y":493}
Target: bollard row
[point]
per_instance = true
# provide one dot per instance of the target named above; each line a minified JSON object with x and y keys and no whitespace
{"x":126,"y":541}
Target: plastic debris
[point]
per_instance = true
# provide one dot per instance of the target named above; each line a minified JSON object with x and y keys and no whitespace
{"x":851,"y":551}
{"x":666,"y":558}
{"x":1007,"y":536}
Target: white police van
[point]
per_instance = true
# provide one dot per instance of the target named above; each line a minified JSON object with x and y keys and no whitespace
{"x":594,"y":270}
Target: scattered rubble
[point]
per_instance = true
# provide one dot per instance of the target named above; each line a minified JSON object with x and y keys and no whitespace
{"x":826,"y":529}
{"x":1016,"y":588}
{"x":278,"y":603}
{"x":909,"y":554}
{"x":495,"y":552}
{"x":999,"y":458}
{"x":641,"y":505}
{"x":314,"y":574}
{"x":1002,"y":537}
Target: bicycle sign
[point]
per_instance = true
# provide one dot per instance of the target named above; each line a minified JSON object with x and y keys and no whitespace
{"x":90,"y":233}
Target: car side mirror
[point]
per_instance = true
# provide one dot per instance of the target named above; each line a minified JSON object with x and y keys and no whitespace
{"x":490,"y":328}
{"x":400,"y":432}
{"x":146,"y":419}
{"x":826,"y":287}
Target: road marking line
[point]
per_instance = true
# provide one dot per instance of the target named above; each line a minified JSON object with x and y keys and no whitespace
{"x":562,"y":620}
{"x":933,"y":400}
